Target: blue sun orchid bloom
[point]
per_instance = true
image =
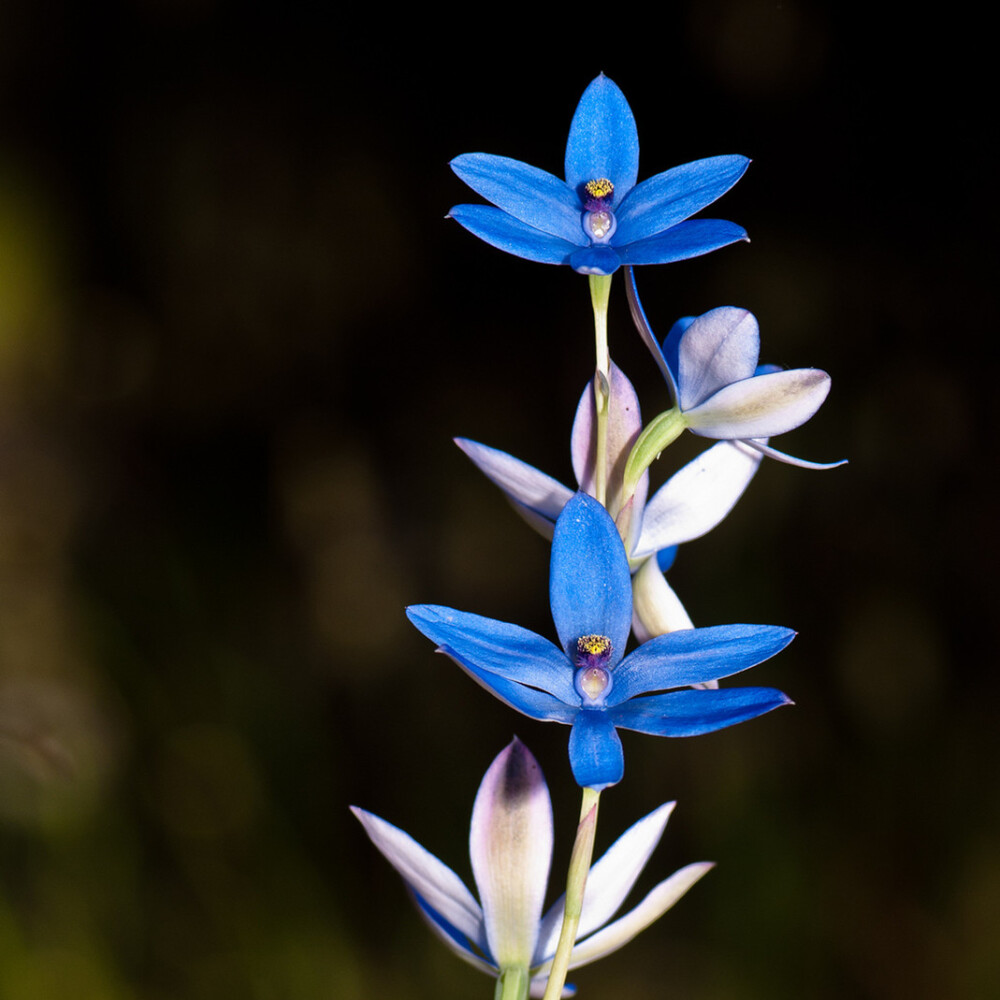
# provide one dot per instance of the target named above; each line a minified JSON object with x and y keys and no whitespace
{"x":598,"y":218}
{"x":510,"y":845}
{"x":589,"y":684}
{"x":710,"y":363}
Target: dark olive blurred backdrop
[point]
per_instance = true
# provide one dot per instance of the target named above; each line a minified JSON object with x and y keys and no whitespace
{"x":236,"y":337}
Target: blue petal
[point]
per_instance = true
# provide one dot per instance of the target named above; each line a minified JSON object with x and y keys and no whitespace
{"x":694,"y":656}
{"x":718,"y":349}
{"x":590,"y":586}
{"x":603,"y":141}
{"x":534,"y":492}
{"x":535,"y":197}
{"x":675,"y":195}
{"x":691,"y":713}
{"x":672,"y":344}
{"x":499,"y":648}
{"x":526,"y":700}
{"x":504,"y":232}
{"x":595,"y":260}
{"x":665,"y":557}
{"x":595,"y":751}
{"x":686,"y":239}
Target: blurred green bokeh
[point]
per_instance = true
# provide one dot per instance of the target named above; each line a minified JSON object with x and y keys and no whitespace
{"x":236,"y":336}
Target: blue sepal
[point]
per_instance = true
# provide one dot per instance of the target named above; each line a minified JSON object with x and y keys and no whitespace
{"x":509,"y":651}
{"x":504,"y":232}
{"x":590,"y":585}
{"x":685,"y":240}
{"x":603,"y":140}
{"x":675,"y":195}
{"x":691,"y":713}
{"x":527,"y":700}
{"x":695,"y":656}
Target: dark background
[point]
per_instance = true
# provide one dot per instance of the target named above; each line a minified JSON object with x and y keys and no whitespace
{"x":236,"y":336}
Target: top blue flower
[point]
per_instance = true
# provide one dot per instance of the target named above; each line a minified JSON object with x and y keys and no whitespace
{"x":598,"y":218}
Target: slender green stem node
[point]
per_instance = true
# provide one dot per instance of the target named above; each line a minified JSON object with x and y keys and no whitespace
{"x":576,"y":883}
{"x":513,"y":984}
{"x":655,"y":436}
{"x":600,"y":291}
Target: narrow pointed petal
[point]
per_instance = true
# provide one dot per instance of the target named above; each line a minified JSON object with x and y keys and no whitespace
{"x":510,"y":844}
{"x":615,"y":935}
{"x":685,"y":240}
{"x":609,"y":882}
{"x":720,"y":347}
{"x":535,"y":197}
{"x":664,"y":200}
{"x":697,"y":497}
{"x":595,"y":751}
{"x":624,"y":425}
{"x":523,"y":483}
{"x":527,"y":700}
{"x":694,"y":656}
{"x":691,"y":713}
{"x":656,"y":609}
{"x":761,"y":407}
{"x":441,"y":889}
{"x":451,"y":936}
{"x":500,"y":648}
{"x":590,"y":587}
{"x":669,"y":371}
{"x":504,"y":232}
{"x":780,"y":456}
{"x":603,"y":141}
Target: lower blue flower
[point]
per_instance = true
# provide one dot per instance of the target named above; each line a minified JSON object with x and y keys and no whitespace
{"x":589,"y":684}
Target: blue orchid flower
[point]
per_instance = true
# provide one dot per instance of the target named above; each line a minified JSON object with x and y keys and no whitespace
{"x":598,"y":218}
{"x":510,"y":845}
{"x":589,"y":684}
{"x":710,"y":363}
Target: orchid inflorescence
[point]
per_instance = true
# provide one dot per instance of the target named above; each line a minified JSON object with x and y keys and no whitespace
{"x":612,"y":544}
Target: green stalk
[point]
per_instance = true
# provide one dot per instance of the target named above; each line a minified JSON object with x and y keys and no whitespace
{"x":656,"y":435}
{"x":600,"y":290}
{"x":576,"y":883}
{"x":513,"y":984}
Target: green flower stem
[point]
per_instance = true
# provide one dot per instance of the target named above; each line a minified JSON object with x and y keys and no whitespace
{"x":656,"y":435}
{"x":600,"y":290}
{"x":576,"y":883}
{"x":513,"y":984}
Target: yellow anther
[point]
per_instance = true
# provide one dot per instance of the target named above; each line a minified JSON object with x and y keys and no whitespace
{"x":600,"y":187}
{"x":594,"y":645}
